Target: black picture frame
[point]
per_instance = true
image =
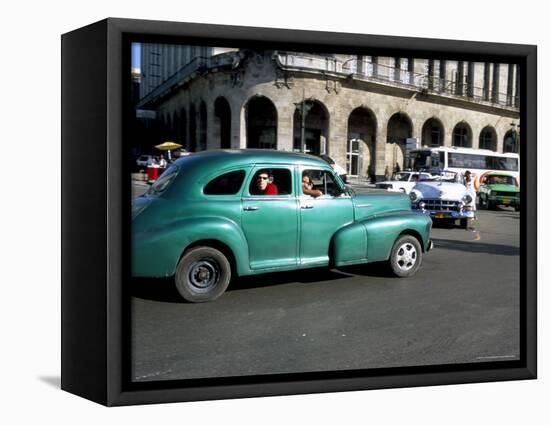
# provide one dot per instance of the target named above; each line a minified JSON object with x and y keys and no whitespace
{"x":95,"y":205}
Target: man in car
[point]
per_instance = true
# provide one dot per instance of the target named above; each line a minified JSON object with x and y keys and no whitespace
{"x":265,"y":184}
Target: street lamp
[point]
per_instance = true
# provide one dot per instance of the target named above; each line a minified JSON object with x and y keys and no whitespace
{"x":515,"y":134}
{"x":303,"y":108}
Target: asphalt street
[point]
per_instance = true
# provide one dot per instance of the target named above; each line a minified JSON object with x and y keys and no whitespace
{"x":461,"y":306}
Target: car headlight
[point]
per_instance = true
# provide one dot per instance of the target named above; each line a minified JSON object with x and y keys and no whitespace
{"x":467,"y":198}
{"x":413,"y":196}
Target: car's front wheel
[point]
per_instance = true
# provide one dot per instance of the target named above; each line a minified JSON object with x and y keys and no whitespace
{"x":202,"y":274}
{"x":406,"y":256}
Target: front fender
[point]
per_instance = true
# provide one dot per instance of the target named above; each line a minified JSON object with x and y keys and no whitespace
{"x":371,"y":239}
{"x":382,"y":232}
{"x":156,"y":252}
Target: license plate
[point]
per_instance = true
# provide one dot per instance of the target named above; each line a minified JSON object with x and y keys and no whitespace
{"x":440,"y":215}
{"x":505,"y":201}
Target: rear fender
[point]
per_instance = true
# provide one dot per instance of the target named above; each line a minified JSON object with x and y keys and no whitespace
{"x":158,"y":252}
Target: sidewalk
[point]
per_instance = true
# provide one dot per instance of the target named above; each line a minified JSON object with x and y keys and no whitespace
{"x":359,"y":182}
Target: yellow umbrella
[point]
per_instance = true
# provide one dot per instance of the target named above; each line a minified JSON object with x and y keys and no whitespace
{"x":168,"y":146}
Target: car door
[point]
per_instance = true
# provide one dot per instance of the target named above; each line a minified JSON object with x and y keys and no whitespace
{"x":322,"y":216}
{"x":270,"y":222}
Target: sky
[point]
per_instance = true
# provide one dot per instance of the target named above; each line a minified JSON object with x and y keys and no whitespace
{"x":136,"y":55}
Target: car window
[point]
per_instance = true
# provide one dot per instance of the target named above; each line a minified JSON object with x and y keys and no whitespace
{"x":324,"y":181}
{"x":272,"y":182}
{"x":164,"y":181}
{"x":227,"y":184}
{"x":401,"y":177}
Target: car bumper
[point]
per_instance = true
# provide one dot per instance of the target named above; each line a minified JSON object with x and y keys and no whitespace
{"x":501,"y":200}
{"x":446,"y":214}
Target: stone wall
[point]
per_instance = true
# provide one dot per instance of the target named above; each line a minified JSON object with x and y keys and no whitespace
{"x":338,"y":98}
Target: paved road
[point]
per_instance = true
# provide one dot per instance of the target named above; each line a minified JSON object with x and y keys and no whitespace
{"x":462,"y":306}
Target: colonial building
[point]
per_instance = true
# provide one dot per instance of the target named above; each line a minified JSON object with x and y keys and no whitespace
{"x":360,"y":110}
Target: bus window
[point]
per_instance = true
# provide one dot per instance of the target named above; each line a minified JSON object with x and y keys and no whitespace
{"x":420,"y":160}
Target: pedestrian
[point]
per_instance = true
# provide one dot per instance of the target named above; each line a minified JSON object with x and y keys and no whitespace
{"x":370,"y":174}
{"x":387,"y":173}
{"x":162,"y":162}
{"x":397,"y":168}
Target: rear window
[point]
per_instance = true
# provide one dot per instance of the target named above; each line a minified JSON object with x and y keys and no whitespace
{"x":226,"y":184}
{"x":164,"y":181}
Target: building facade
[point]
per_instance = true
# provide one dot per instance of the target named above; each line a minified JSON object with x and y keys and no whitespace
{"x":360,"y":110}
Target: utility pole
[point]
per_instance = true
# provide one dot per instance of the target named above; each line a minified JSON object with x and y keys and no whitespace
{"x":304,"y":109}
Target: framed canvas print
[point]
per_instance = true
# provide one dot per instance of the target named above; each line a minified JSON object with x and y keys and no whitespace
{"x":252,"y":212}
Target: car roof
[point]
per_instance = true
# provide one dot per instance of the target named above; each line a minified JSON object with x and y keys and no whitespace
{"x":236,"y":157}
{"x":200,"y":166}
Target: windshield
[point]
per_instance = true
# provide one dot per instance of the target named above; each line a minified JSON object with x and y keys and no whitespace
{"x":164,"y":181}
{"x":501,"y":180}
{"x":401,"y":177}
{"x":423,"y":160}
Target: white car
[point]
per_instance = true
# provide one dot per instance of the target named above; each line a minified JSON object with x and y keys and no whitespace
{"x":341,"y":171}
{"x":145,"y":160}
{"x":444,"y":197}
{"x":403,"y":181}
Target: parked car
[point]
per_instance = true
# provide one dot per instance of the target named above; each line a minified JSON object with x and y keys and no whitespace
{"x":145,"y":160}
{"x":403,"y":181}
{"x":341,"y":171}
{"x":444,"y":197}
{"x":499,"y":188}
{"x":216,"y":214}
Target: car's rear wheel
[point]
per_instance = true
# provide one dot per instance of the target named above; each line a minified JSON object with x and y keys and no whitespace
{"x":202,"y":274}
{"x":406,"y":256}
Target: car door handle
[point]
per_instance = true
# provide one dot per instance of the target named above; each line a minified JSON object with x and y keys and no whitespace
{"x":307,"y":207}
{"x":250,"y":208}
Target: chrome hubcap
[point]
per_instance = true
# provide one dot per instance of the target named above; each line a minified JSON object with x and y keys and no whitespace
{"x":406,"y":256}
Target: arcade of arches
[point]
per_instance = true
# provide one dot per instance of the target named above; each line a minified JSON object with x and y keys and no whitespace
{"x":371,"y":144}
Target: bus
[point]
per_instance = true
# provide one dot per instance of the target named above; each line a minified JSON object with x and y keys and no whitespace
{"x":478,"y":161}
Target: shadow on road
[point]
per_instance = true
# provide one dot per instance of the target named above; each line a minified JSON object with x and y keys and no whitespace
{"x":155,"y":289}
{"x":296,"y":276}
{"x":476,"y":247}
{"x":164,"y":289}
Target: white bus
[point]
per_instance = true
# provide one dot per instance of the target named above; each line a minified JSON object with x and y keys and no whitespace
{"x":478,"y":161}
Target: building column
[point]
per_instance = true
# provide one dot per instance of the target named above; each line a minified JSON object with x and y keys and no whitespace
{"x":500,"y":139}
{"x":285,"y":133}
{"x":448,"y":136}
{"x":212,"y":130}
{"x":380,"y":148}
{"x":238,"y":126}
{"x":476,"y":131}
{"x":338,"y":136}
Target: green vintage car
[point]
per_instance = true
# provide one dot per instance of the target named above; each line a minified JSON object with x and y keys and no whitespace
{"x":217,"y":214}
{"x":499,"y":188}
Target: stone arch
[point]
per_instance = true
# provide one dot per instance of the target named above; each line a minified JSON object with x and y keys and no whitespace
{"x":222,"y":123}
{"x":511,"y":142}
{"x":261,"y":123}
{"x":361,"y":142}
{"x":462,"y":135}
{"x":315,"y":127}
{"x":400,"y":127}
{"x":488,"y":138}
{"x":433,"y":132}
